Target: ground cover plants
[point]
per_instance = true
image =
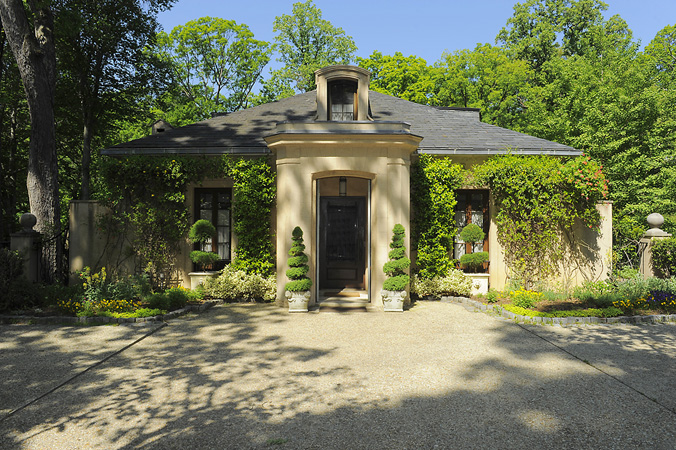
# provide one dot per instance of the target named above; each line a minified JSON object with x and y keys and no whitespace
{"x":623,"y":294}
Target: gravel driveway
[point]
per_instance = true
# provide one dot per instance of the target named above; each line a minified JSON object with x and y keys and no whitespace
{"x":254,"y":376}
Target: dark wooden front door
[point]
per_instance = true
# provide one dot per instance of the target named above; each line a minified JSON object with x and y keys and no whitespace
{"x":342,"y":242}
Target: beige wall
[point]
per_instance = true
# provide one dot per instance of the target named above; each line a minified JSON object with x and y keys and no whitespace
{"x":93,"y":246}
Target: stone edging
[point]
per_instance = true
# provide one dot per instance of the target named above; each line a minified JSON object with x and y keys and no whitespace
{"x":65,"y":320}
{"x":563,"y":321}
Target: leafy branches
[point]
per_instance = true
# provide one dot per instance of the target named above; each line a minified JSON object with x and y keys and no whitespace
{"x":433,"y":182}
{"x":214,"y":62}
{"x":537,"y":198}
{"x":254,"y":196}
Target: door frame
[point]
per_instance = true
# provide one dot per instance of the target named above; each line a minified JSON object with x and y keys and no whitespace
{"x":317,"y":209}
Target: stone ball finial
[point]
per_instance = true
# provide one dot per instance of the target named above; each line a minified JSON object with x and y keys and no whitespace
{"x":655,"y":220}
{"x":28,"y":221}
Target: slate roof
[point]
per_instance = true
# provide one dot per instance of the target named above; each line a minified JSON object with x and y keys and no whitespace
{"x":445,"y":131}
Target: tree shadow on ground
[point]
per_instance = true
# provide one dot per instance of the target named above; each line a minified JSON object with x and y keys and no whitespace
{"x":252,"y":376}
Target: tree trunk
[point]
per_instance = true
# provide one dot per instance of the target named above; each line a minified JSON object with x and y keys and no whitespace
{"x":32,"y":43}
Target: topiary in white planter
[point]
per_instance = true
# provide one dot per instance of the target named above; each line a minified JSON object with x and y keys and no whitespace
{"x":298,"y":289}
{"x":394,"y":287}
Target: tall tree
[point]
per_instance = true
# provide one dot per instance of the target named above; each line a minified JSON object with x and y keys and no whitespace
{"x":101,"y":48}
{"x":306,"y":42}
{"x":30,"y":33}
{"x":407,"y":77}
{"x":14,"y":138}
{"x":214,"y":63}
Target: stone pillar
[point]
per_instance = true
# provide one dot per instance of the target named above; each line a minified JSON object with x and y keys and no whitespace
{"x":27,"y":243}
{"x":645,"y":248}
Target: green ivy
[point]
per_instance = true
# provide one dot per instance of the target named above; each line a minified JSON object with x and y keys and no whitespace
{"x":664,"y":257}
{"x":538,"y":198}
{"x":433,"y":185}
{"x":147,"y":195}
{"x":254,"y":196}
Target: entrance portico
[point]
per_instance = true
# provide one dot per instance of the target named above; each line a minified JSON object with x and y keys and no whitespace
{"x":347,"y":236}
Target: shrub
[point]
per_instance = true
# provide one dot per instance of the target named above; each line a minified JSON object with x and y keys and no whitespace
{"x":201,"y":231}
{"x":472,"y":233}
{"x":176,"y":297}
{"x":474,"y":261}
{"x":203,"y":258}
{"x":233,"y":284}
{"x":11,"y":267}
{"x":664,"y":257}
{"x":395,"y":268}
{"x":601,"y":294}
{"x":158,"y":301}
{"x":525,"y":298}
{"x":492,"y":296}
{"x":298,"y":264}
{"x":424,"y":287}
{"x":455,"y":283}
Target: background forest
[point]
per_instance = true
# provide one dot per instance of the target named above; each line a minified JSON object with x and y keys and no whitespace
{"x":557,"y":70}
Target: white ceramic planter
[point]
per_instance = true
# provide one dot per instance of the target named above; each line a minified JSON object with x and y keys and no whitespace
{"x":393,"y":300}
{"x":197,"y":278}
{"x":479,"y":283}
{"x":298,"y":301}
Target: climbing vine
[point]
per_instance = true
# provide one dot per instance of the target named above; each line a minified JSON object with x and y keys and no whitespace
{"x":538,"y":198}
{"x":254,"y":194}
{"x":146,"y":194}
{"x":433,"y":185}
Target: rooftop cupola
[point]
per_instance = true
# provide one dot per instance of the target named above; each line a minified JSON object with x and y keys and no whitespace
{"x":342,"y":93}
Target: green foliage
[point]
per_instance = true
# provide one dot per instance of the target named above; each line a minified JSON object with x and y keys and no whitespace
{"x":203,"y":258}
{"x":472,"y":233}
{"x":664,"y":257}
{"x":454,"y":283}
{"x":298,"y":264}
{"x":474,"y":261}
{"x":215,"y":63}
{"x":433,"y":185}
{"x":395,"y":268}
{"x":396,"y":283}
{"x":599,"y":293}
{"x":590,"y":312}
{"x":253,"y":198}
{"x":525,"y":298}
{"x":238,"y":285}
{"x":305,"y":42}
{"x":406,"y":77}
{"x":147,"y":195}
{"x":538,"y":198}
{"x":201,"y":231}
{"x":11,"y":267}
{"x":177,"y":297}
{"x":492,"y":296}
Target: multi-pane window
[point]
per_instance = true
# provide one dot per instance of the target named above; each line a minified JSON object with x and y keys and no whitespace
{"x":342,"y":96}
{"x":214,"y":205}
{"x":472,"y":207}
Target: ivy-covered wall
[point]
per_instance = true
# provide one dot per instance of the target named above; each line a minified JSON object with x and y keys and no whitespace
{"x":147,"y":204}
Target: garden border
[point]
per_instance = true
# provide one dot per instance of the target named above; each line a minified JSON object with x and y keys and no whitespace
{"x":563,"y":321}
{"x":98,"y":320}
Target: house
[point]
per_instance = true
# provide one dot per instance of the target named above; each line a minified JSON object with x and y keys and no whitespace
{"x":342,"y":155}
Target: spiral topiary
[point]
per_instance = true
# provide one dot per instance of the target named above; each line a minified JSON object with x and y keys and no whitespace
{"x":298,"y":267}
{"x":395,"y":268}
